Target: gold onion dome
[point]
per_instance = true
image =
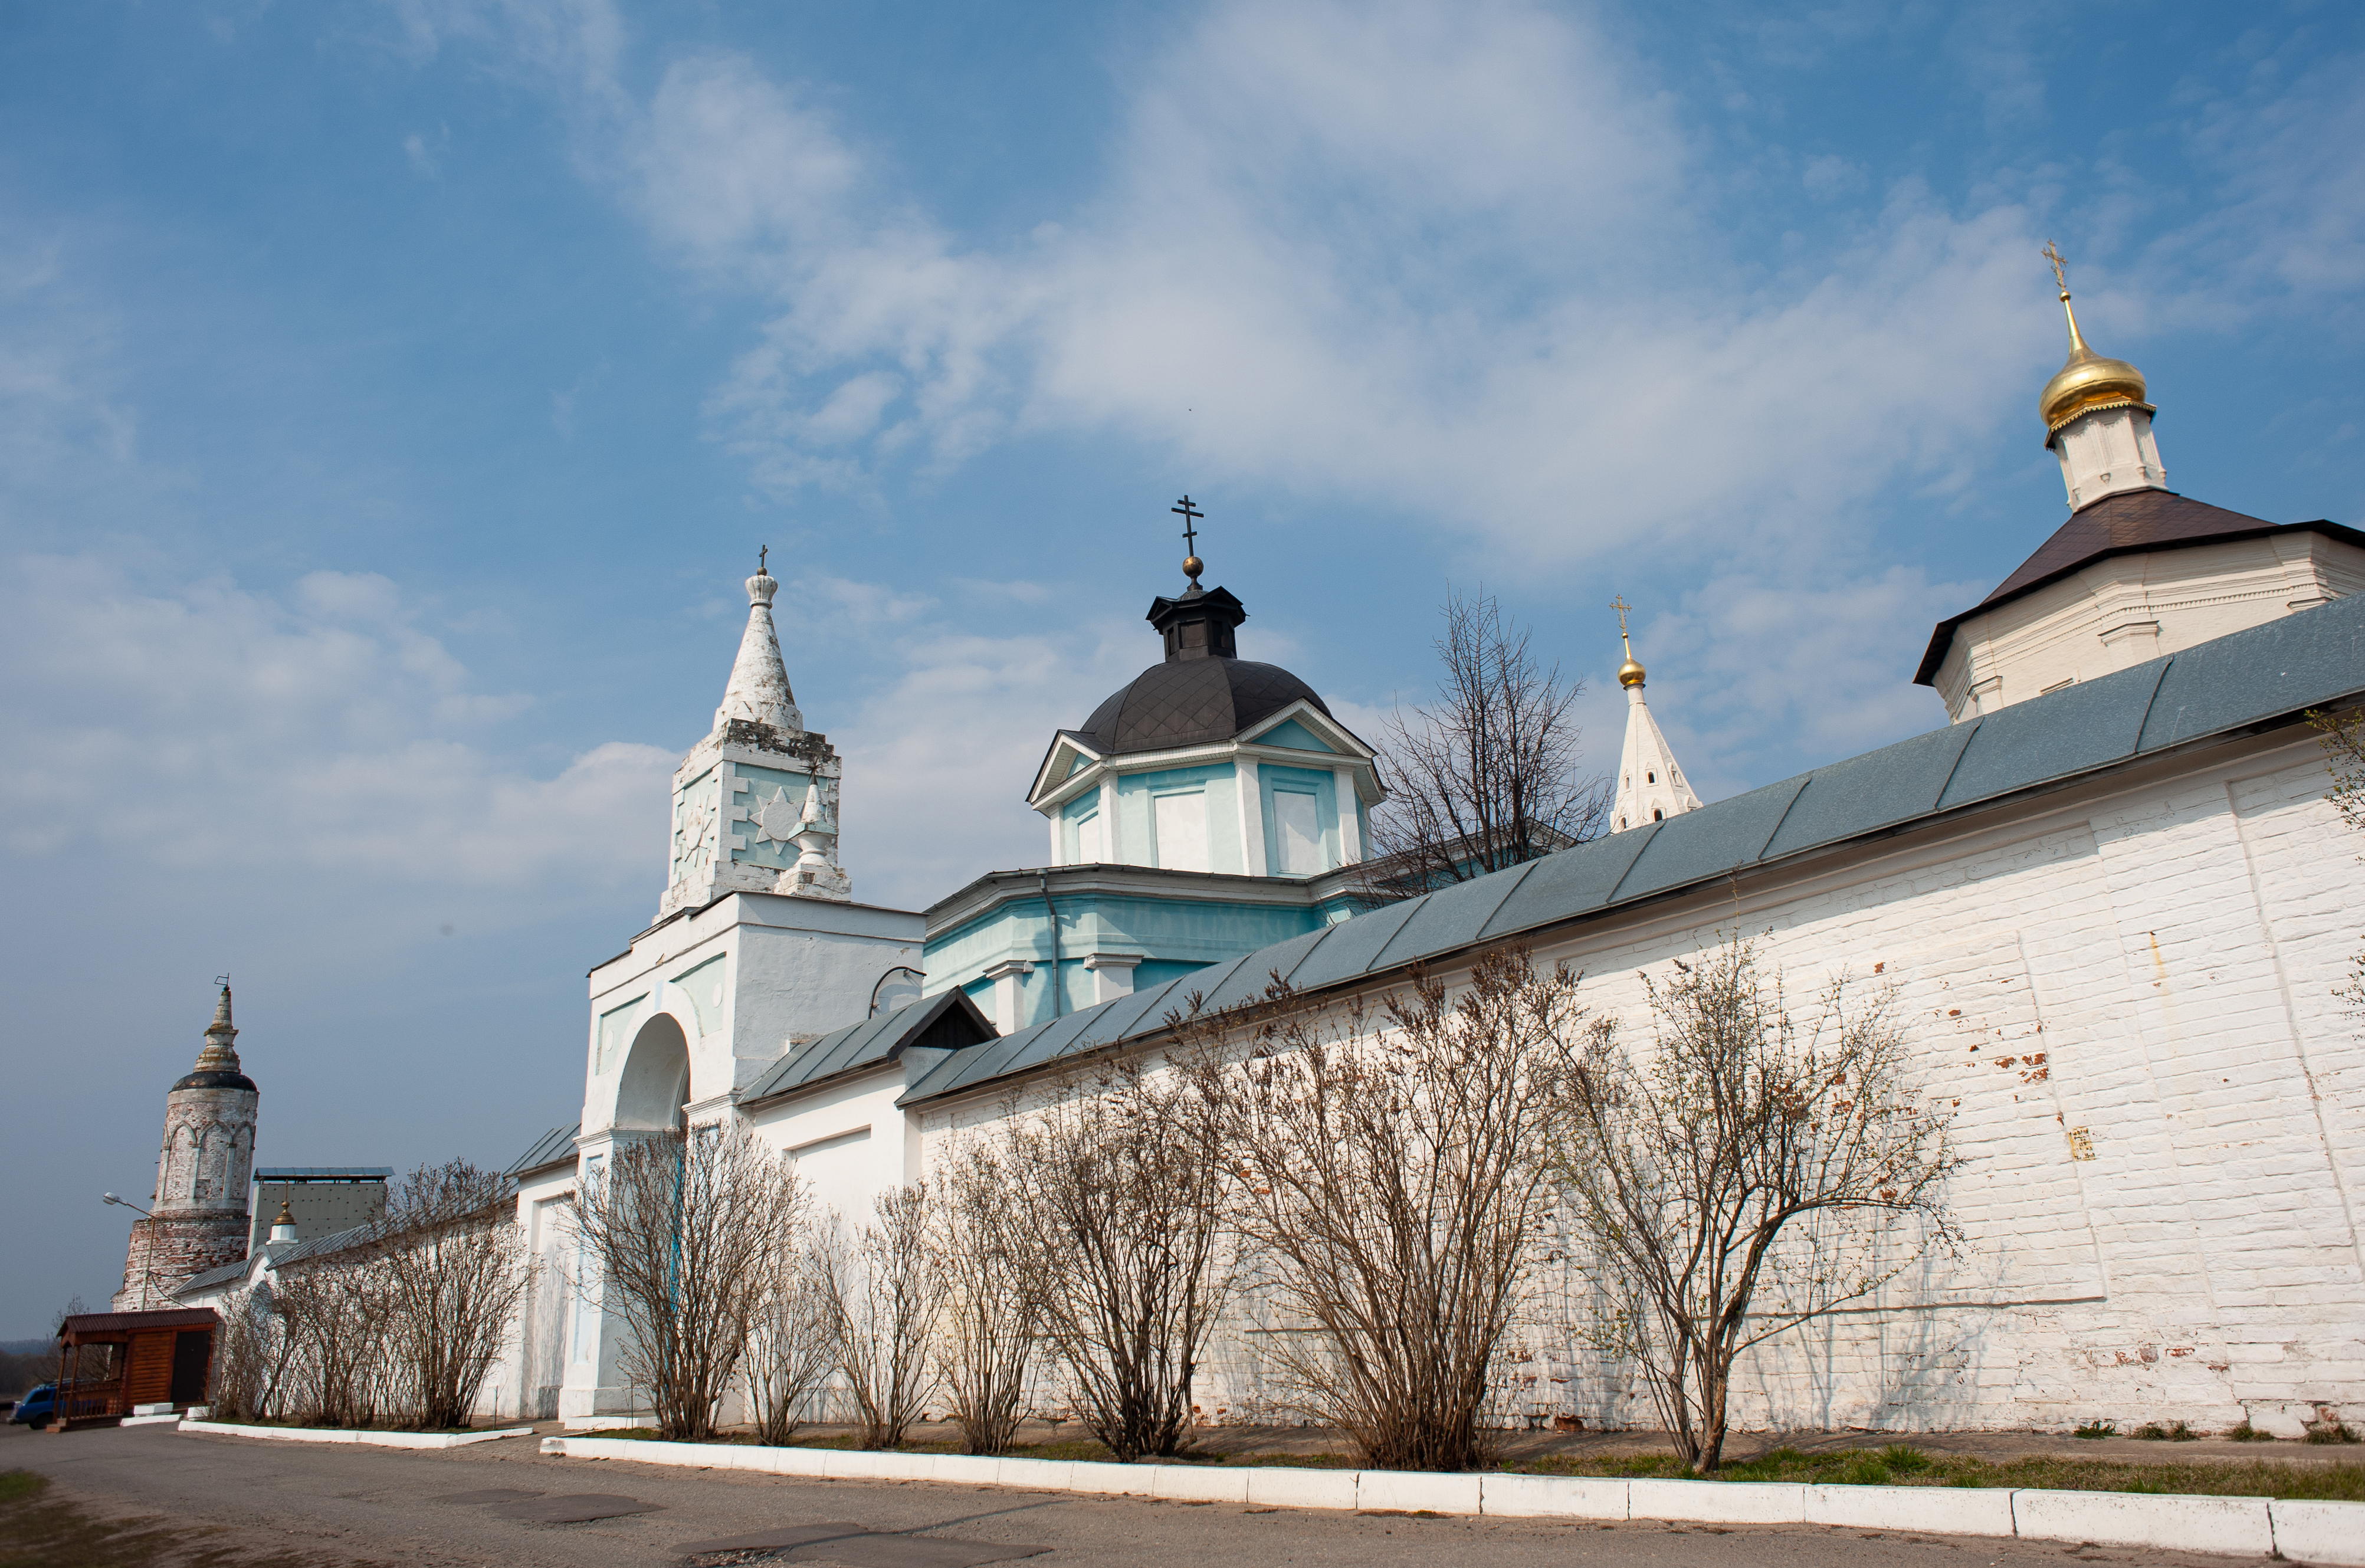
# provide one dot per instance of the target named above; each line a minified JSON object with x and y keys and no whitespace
{"x":2088,"y":381}
{"x":1631,"y":672}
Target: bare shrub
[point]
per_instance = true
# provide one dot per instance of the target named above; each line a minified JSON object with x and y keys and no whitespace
{"x":992,"y":1320}
{"x":1749,"y":1177}
{"x":2342,"y":735}
{"x":249,"y":1355}
{"x":885,"y":1298}
{"x":1120,"y":1186}
{"x":334,"y":1311}
{"x":453,"y":1269}
{"x":1392,"y":1175}
{"x":1487,"y":777}
{"x":792,"y":1337}
{"x":679,"y":1227}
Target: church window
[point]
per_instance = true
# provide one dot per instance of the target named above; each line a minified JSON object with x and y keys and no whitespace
{"x":1652,"y":778}
{"x":1181,"y":822}
{"x":1086,"y":849}
{"x":1299,"y":828}
{"x":1657,"y":815}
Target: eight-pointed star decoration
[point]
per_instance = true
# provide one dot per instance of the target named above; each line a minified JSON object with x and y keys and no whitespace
{"x":780,"y":818}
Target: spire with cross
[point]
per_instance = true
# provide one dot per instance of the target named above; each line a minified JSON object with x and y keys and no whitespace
{"x":1192,"y":564}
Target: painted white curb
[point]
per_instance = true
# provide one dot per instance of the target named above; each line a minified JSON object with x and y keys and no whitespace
{"x":2237,"y":1526}
{"x":150,"y":1421}
{"x":1941,"y":1510}
{"x":2332,"y":1533}
{"x":2319,"y":1532}
{"x":375,"y":1439}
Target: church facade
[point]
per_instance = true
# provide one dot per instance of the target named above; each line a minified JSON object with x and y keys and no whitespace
{"x":2111,"y":895}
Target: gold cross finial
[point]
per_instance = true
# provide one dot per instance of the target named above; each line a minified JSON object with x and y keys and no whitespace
{"x":2052,"y":253}
{"x":1621,"y":607}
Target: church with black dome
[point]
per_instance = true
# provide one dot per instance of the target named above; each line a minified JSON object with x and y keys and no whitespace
{"x":1209,"y":807}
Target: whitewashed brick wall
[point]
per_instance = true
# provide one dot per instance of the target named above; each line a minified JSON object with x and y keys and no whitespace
{"x":2151,"y":970}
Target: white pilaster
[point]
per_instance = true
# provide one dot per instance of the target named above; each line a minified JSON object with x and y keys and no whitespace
{"x":1112,"y":841}
{"x":1250,"y":792}
{"x":1009,"y":993}
{"x":1111,"y":974}
{"x":1351,"y":830}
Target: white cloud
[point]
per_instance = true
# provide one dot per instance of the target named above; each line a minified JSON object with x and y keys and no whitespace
{"x":208,"y":727}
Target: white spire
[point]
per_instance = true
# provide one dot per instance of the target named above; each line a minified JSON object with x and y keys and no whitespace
{"x":759,"y":691}
{"x":1650,"y":786}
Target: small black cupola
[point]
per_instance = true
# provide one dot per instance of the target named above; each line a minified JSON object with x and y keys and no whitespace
{"x":1199,"y":624}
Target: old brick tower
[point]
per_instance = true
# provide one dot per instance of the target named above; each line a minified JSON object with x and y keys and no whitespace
{"x":198,"y":1220}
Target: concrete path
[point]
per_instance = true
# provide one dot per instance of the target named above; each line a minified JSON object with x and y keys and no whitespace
{"x":502,"y":1503}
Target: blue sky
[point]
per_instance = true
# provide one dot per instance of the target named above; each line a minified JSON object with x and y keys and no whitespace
{"x":392,"y":397}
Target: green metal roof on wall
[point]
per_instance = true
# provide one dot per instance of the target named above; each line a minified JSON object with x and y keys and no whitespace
{"x":2248,"y":681}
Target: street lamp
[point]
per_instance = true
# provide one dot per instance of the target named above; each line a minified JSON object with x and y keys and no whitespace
{"x":122,"y":1204}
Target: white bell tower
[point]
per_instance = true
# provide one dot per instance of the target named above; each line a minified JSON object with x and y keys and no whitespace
{"x":1650,"y":788}
{"x":755,"y":803}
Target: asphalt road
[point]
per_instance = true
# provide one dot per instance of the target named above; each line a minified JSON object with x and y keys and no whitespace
{"x":343,"y":1507}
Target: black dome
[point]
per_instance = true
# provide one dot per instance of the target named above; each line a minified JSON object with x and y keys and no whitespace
{"x":1191,"y":702}
{"x":217,"y":1081}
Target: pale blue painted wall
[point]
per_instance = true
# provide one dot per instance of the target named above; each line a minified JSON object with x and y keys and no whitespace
{"x":1290,"y":732}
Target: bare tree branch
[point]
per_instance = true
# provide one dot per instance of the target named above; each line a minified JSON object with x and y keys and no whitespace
{"x":1120,"y":1190}
{"x":885,"y":1298}
{"x":453,"y":1266}
{"x":1748,"y":1177}
{"x":681,"y":1228}
{"x":992,"y":1320}
{"x":1487,"y":777}
{"x":1391,"y":1179}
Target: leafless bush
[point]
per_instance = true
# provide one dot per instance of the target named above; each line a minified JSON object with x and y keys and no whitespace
{"x":1487,"y":777}
{"x":792,"y":1338}
{"x":885,"y":1298}
{"x":1747,"y":1178}
{"x":251,"y":1352}
{"x":1120,"y":1186}
{"x":335,"y":1314}
{"x":453,"y":1270}
{"x":2342,"y":735}
{"x":1392,"y":1174}
{"x":679,"y":1229}
{"x":993,"y":1323}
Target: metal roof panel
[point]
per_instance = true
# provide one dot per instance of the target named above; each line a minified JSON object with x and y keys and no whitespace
{"x":2291,"y":663}
{"x":1353,"y":944}
{"x":1249,"y":978}
{"x":1709,"y":841}
{"x":2068,"y":732}
{"x":1894,"y":784}
{"x":1570,"y":881}
{"x":1451,"y":917}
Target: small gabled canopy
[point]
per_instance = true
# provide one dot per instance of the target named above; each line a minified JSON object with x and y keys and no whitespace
{"x":555,"y":1147}
{"x":947,"y":1022}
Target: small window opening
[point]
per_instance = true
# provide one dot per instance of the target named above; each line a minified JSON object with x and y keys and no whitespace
{"x":1650,"y":778}
{"x":1658,"y":815}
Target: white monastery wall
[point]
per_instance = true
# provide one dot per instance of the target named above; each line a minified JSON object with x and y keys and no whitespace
{"x":2124,"y":994}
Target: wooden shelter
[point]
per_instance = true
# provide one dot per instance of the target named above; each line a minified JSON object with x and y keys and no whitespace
{"x":110,"y":1361}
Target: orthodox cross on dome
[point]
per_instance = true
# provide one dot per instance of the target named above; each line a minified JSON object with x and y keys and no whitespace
{"x":761,"y":552}
{"x":1192,"y":564}
{"x":2052,"y":253}
{"x":1621,"y":607}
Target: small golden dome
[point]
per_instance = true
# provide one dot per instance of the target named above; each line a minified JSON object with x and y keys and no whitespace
{"x":1631,"y":672}
{"x":2086,"y":381}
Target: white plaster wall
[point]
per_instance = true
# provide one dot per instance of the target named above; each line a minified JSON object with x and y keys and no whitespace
{"x":2129,"y":609}
{"x":850,"y":1141}
{"x":2150,"y":964}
